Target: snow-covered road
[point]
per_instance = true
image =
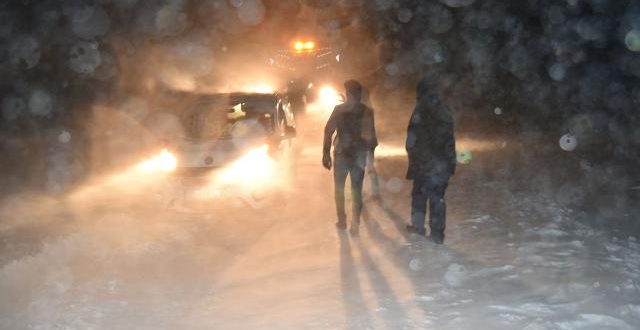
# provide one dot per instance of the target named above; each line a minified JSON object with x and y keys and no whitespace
{"x":512,"y":260}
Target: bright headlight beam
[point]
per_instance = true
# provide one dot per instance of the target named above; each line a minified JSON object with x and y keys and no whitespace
{"x":165,"y":162}
{"x":138,"y":178}
{"x":329,"y":97}
{"x":252,"y":169}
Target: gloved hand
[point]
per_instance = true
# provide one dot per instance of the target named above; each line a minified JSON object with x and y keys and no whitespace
{"x":326,"y":161}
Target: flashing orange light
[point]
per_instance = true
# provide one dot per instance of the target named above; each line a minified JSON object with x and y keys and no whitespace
{"x":309,"y":45}
{"x":304,"y":45}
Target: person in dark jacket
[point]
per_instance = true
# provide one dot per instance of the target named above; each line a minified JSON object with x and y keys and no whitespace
{"x":432,"y":161}
{"x":353,"y":123}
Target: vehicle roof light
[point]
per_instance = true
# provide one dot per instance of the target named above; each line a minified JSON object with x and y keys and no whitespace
{"x":303,"y":45}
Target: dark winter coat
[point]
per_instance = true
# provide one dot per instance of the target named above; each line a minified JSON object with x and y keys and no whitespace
{"x":355,"y":127}
{"x":430,"y":138}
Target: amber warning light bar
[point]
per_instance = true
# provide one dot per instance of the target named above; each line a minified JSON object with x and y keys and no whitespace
{"x":302,"y":45}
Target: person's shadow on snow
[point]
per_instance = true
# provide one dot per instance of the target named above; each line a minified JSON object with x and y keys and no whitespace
{"x":441,"y":275}
{"x":397,"y":219}
{"x":357,"y":267}
{"x":355,"y":308}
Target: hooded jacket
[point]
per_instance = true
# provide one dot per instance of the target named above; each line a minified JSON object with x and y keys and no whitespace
{"x":430,"y":136}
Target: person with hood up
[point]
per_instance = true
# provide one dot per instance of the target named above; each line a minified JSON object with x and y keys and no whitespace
{"x":431,"y":150}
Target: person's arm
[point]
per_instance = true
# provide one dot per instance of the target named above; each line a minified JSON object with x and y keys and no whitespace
{"x":369,"y":130}
{"x":374,"y":136}
{"x":412,"y":134}
{"x":411,"y":144}
{"x":450,"y":146}
{"x":329,"y":129}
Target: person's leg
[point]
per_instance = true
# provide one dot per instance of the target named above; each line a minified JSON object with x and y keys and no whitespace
{"x":340,"y":171}
{"x":356,"y":171}
{"x":418,"y":206}
{"x":437,"y":206}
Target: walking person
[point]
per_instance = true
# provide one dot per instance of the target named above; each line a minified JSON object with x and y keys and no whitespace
{"x":355,"y":139}
{"x":432,"y":161}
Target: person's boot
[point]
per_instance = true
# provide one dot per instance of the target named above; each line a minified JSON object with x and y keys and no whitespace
{"x":411,"y":229}
{"x":354,"y":230}
{"x":437,"y":237}
{"x":341,"y":225}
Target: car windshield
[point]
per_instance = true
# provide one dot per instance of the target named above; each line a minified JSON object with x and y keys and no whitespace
{"x":229,"y":118}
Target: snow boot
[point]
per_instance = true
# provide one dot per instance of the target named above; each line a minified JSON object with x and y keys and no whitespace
{"x":437,"y":237}
{"x":411,"y":229}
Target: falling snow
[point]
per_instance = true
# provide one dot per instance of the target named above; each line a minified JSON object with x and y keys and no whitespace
{"x":542,"y":229}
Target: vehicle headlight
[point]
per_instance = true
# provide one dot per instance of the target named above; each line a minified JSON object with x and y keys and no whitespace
{"x":165,"y":162}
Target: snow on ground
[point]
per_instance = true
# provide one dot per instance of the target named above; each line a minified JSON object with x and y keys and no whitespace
{"x":511,"y":260}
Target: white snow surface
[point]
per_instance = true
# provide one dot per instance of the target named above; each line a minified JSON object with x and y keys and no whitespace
{"x":107,"y":256}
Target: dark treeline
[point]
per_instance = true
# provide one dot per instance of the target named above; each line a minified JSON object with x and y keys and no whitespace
{"x":553,"y":66}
